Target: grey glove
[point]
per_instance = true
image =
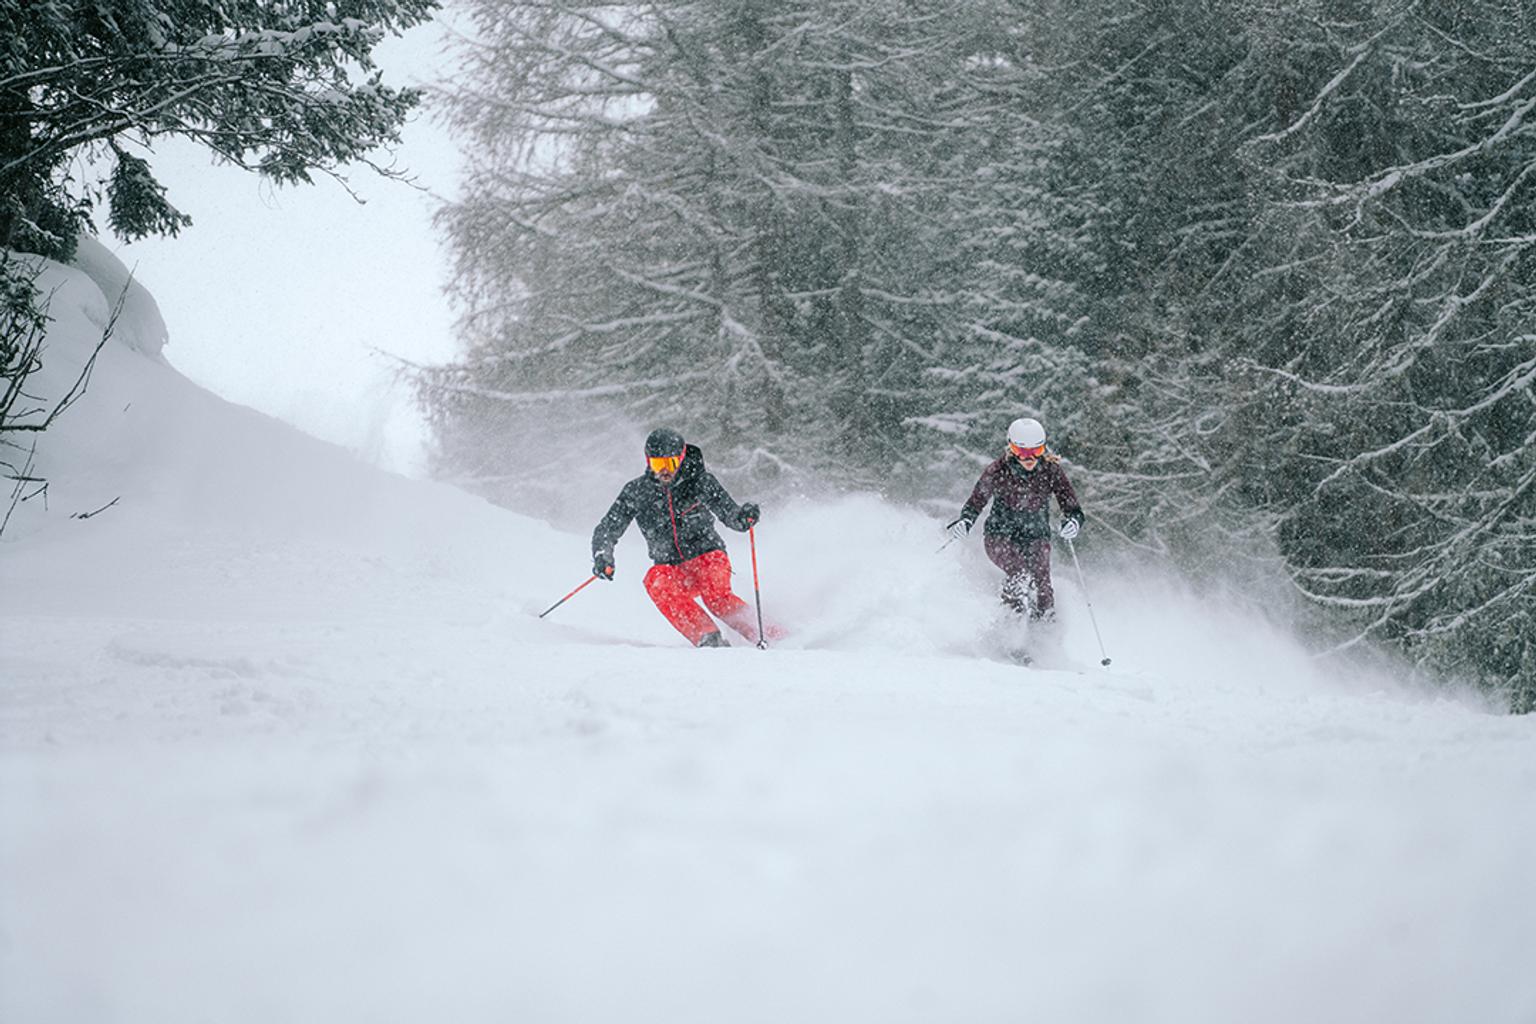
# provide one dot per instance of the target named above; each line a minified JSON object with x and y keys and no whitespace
{"x":959,"y":528}
{"x":1069,"y":528}
{"x":602,"y":566}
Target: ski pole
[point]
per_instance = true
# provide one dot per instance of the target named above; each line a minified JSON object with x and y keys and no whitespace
{"x":757,"y":593}
{"x":566,"y":598}
{"x":1083,"y":583}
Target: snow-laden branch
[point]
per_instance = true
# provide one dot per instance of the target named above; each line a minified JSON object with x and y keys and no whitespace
{"x":1317,"y":103}
{"x":1386,"y":180}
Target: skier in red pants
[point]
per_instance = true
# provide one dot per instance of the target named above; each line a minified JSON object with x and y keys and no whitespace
{"x":676,"y":502}
{"x":1018,"y":530}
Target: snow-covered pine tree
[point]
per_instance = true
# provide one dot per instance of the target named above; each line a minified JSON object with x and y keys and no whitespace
{"x":1152,"y":205}
{"x":282,"y":89}
{"x":1325,"y":292}
{"x":610,"y":240}
{"x":777,"y":226}
{"x":1000,"y":251}
{"x":1408,"y":377}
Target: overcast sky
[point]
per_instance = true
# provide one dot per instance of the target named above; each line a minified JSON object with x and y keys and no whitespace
{"x":283,"y":299}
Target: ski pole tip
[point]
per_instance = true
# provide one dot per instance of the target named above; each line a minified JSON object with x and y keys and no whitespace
{"x":1105,"y":662}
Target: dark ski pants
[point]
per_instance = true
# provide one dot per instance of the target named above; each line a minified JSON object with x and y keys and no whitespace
{"x":1026,"y":569}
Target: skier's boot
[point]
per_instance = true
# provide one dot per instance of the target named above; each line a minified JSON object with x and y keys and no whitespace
{"x":712,"y":640}
{"x":1013,"y":639}
{"x":1045,"y":640}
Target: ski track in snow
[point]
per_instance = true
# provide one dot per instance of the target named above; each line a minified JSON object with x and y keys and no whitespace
{"x":282,"y":739}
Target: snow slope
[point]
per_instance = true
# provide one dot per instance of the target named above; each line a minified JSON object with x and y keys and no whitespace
{"x":281,"y":739}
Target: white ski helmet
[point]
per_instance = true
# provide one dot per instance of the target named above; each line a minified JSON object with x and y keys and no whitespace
{"x":1026,"y":433}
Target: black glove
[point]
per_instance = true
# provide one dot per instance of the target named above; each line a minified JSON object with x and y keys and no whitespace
{"x":750,"y":514}
{"x":602,"y":566}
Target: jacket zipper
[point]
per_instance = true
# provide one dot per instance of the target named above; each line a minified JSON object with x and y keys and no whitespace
{"x":672,"y":515}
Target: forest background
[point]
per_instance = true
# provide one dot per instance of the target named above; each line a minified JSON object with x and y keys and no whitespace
{"x":1265,"y":270}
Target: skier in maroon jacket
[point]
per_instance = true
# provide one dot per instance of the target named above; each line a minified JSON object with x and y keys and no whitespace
{"x":676,"y":502}
{"x":1018,"y":530}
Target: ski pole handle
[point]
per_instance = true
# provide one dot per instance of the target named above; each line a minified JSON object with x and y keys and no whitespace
{"x":567,"y":597}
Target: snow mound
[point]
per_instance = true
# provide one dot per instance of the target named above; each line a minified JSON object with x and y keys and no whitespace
{"x":140,"y":327}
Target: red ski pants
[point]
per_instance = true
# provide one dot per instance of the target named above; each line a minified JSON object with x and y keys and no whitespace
{"x":676,"y":589}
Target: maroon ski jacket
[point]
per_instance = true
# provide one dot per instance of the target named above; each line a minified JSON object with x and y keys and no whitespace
{"x":1020,"y":499}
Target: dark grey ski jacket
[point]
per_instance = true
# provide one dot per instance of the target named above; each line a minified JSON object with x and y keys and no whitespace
{"x":677,"y":519}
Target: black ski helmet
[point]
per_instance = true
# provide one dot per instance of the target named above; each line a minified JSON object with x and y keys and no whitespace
{"x":663,"y":443}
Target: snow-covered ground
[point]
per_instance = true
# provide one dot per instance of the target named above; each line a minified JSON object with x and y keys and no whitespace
{"x":282,"y":740}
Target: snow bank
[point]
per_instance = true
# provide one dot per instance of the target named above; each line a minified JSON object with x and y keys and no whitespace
{"x":140,"y":325}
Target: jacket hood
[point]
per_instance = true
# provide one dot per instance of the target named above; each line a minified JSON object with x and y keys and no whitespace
{"x":692,"y":467}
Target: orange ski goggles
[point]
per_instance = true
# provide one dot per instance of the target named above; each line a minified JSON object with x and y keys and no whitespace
{"x":1027,"y":453}
{"x":660,"y":464}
